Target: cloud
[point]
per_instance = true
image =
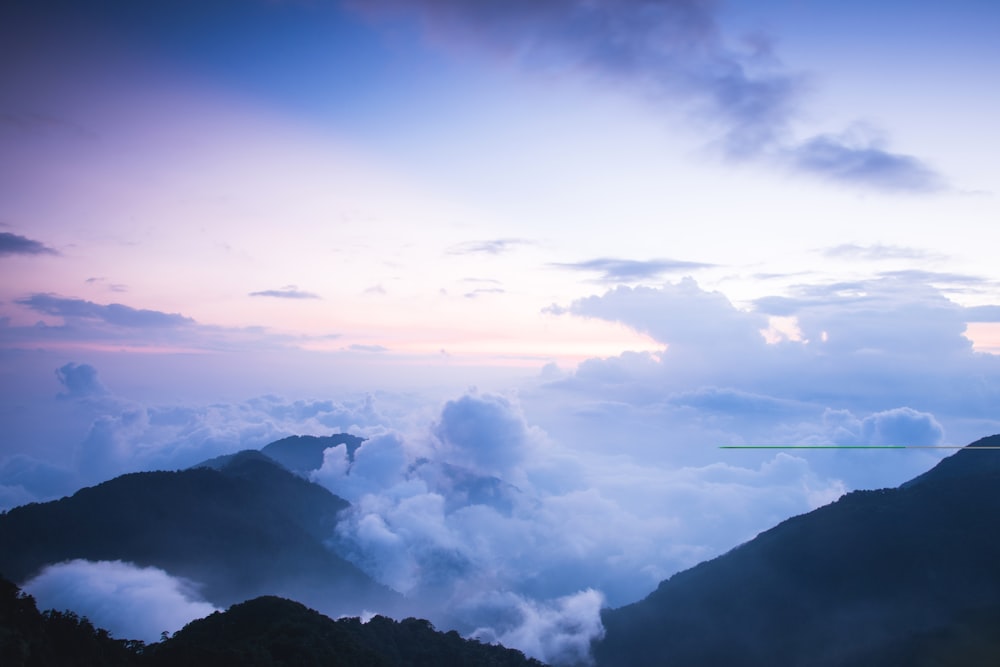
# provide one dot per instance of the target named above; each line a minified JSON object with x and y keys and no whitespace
{"x":557,"y":632}
{"x":876,"y":252}
{"x":80,"y":381}
{"x":680,"y":314}
{"x":484,"y":432}
{"x":287,"y":292}
{"x":27,"y":479}
{"x":863,"y":164}
{"x":89,"y":325}
{"x":114,"y":314}
{"x":894,"y":315}
{"x":673,"y":53}
{"x":358,"y":347}
{"x":112,"y":287}
{"x":14,"y":244}
{"x":130,"y":602}
{"x":982,"y":314}
{"x":490,"y":247}
{"x":627,"y":270}
{"x":476,"y":293}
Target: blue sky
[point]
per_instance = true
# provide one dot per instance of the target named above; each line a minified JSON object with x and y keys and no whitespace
{"x":617,"y":234}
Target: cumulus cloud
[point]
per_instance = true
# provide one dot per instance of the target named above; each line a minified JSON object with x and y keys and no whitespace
{"x":15,"y":244}
{"x":484,"y":432}
{"x":898,"y":426}
{"x":627,"y":270}
{"x":982,"y":314}
{"x":436,"y":516}
{"x":79,"y":381}
{"x":671,"y":50}
{"x":130,"y":602}
{"x":680,"y":314}
{"x":556,"y":632}
{"x":866,"y":348}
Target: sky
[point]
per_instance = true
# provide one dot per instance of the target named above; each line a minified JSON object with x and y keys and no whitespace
{"x":576,"y":245}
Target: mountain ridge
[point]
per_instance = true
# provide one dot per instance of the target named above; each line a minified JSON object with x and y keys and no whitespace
{"x":250,"y":528}
{"x":869,"y":572}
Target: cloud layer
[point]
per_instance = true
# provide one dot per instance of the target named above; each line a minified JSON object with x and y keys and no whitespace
{"x":130,"y":602}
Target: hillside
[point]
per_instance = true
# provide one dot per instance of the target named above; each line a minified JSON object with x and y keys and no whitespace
{"x":246,"y":529}
{"x":895,"y":576}
{"x":263,"y":632}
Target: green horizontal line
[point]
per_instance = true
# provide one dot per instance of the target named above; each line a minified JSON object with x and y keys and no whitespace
{"x":814,"y":447}
{"x":853,"y":447}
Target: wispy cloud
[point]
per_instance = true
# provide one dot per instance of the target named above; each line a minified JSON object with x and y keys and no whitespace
{"x":358,"y":347}
{"x":286,"y":292}
{"x":113,"y":313}
{"x":476,"y":293}
{"x":630,"y":270}
{"x":112,"y":287}
{"x":489,"y":247}
{"x":14,"y":244}
{"x":866,"y":164}
{"x":671,"y":50}
{"x":876,"y":252}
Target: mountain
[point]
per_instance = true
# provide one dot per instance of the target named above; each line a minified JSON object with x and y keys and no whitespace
{"x":303,"y":453}
{"x":273,"y":631}
{"x":263,"y":632}
{"x":30,"y":638}
{"x":244,"y":528}
{"x":896,"y":576}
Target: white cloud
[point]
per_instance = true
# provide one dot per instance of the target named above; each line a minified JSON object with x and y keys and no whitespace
{"x":557,"y":632}
{"x":130,"y":602}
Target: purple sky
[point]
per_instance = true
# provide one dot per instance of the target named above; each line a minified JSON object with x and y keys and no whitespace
{"x":575,"y":245}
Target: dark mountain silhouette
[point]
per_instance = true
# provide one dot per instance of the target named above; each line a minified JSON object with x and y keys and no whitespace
{"x":30,"y":638}
{"x":906,"y":576}
{"x":303,"y":453}
{"x":263,"y":632}
{"x":273,"y":631}
{"x":245,"y":528}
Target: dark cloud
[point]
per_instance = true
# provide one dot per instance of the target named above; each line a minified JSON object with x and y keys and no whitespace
{"x":671,"y":51}
{"x":491,"y":247}
{"x":287,"y":292}
{"x":115,"y":314}
{"x":866,"y":165}
{"x":79,"y":381}
{"x":629,"y":270}
{"x":875,"y":252}
{"x":13,"y":244}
